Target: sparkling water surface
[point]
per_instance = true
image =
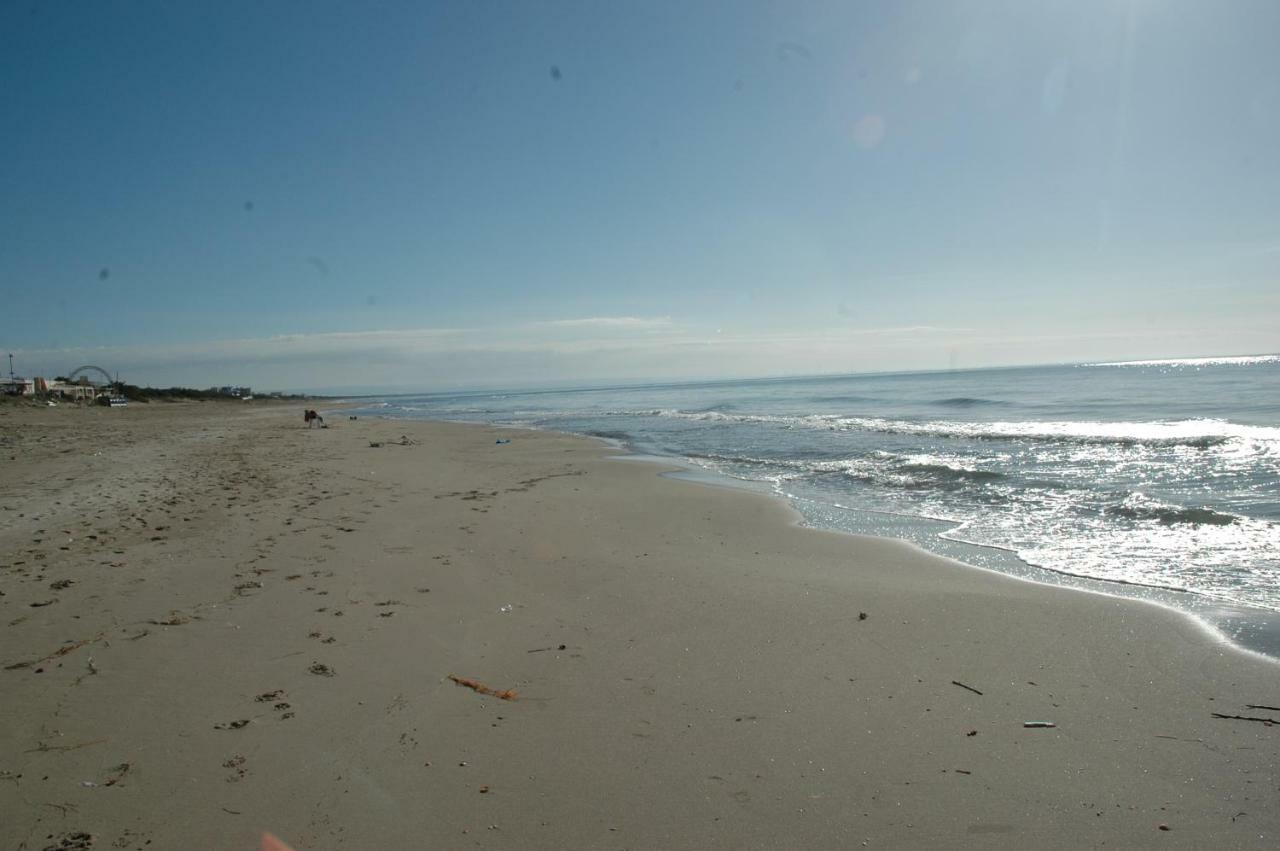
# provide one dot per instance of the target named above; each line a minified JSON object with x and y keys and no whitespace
{"x":1158,"y":479}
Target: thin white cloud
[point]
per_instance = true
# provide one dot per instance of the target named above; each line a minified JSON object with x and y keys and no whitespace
{"x":250,"y":350}
{"x":411,"y":333}
{"x":631,"y":322}
{"x":402,"y":349}
{"x":907,"y":330}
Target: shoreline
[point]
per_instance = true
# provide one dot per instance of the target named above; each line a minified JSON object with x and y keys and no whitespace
{"x":1159,"y":596}
{"x":1251,"y":630}
{"x":690,"y":664}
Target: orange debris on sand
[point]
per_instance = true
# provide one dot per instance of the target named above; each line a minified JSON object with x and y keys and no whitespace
{"x":476,"y":685}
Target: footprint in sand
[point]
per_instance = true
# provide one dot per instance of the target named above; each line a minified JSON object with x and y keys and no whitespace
{"x":236,"y":764}
{"x":281,"y":706}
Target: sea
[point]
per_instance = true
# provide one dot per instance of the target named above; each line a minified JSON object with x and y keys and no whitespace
{"x":1152,"y":479}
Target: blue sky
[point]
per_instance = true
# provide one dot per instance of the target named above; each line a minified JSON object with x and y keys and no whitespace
{"x":320,"y":195}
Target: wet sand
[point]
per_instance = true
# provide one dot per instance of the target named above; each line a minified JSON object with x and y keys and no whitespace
{"x":216,"y":622}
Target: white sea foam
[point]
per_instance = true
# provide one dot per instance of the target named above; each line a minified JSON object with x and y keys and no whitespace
{"x":1232,"y":360}
{"x":1193,"y":432}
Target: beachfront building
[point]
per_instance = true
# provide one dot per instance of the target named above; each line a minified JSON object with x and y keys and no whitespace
{"x":15,"y":386}
{"x":79,"y":391}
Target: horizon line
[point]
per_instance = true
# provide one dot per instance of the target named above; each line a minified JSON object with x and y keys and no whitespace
{"x":1211,"y":360}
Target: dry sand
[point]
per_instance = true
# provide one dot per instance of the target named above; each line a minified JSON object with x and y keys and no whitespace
{"x":216,"y":622}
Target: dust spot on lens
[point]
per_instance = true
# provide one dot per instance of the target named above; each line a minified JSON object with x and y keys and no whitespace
{"x":868,"y":131}
{"x":788,"y":50}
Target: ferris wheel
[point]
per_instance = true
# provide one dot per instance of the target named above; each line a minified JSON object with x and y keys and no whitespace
{"x":90,"y":368}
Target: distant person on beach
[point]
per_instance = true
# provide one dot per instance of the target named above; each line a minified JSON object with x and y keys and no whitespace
{"x":311,"y":418}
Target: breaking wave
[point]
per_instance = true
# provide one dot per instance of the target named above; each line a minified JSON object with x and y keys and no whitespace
{"x":1234,"y":360}
{"x":1196,"y":433}
{"x":885,"y":468}
{"x":954,"y":473}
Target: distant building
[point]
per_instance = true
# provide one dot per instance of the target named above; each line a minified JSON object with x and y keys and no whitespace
{"x":73,"y":390}
{"x":16,"y":386}
{"x":77,"y":390}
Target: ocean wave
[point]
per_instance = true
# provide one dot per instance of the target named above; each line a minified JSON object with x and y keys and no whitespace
{"x":966,"y":402}
{"x":1230,"y":360}
{"x":1140,"y":507}
{"x":776,"y":470}
{"x":1194,"y":433}
{"x":752,"y":461}
{"x":1197,"y":433}
{"x":842,"y":398}
{"x":952,"y":472}
{"x":884,"y":468}
{"x":809,"y":420}
{"x":620,"y":436}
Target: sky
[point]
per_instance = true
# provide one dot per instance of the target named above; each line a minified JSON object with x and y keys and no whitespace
{"x":416,"y":196}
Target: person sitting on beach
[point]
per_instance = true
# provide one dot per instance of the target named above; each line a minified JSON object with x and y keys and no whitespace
{"x":311,"y":418}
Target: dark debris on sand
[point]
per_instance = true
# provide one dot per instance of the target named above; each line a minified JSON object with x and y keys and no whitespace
{"x":72,"y":841}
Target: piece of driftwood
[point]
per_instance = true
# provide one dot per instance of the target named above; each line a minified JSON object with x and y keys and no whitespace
{"x":477,"y":686}
{"x":1246,"y":718}
{"x":120,"y":771}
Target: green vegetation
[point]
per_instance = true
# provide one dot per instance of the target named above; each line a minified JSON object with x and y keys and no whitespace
{"x":134,"y":393}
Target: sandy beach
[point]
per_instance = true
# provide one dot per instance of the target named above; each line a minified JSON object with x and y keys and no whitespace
{"x":216,"y":622}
